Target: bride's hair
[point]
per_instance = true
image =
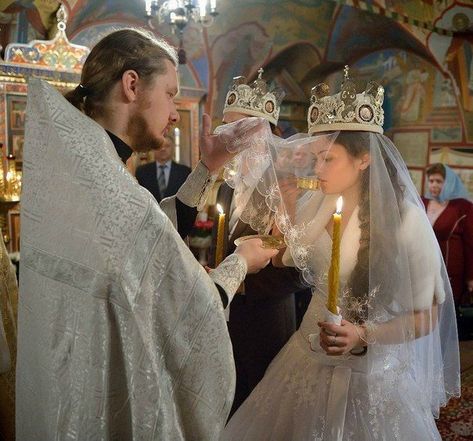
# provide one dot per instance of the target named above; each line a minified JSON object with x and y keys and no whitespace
{"x":357,"y":144}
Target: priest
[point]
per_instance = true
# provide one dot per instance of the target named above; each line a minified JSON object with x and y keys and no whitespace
{"x":121,"y":333}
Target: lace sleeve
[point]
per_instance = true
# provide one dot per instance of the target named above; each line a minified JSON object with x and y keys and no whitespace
{"x":195,"y":190}
{"x":193,"y":193}
{"x":230,"y":274}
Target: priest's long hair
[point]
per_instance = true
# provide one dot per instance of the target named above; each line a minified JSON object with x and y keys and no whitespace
{"x":126,"y":49}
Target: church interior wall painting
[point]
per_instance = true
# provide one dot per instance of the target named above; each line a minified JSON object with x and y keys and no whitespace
{"x":413,"y":146}
{"x":427,"y":72}
{"x":466,"y":175}
{"x":418,"y":177}
{"x":16,"y":110}
{"x":455,"y":156}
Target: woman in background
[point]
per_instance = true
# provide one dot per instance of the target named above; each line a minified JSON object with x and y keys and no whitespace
{"x":451,"y":215}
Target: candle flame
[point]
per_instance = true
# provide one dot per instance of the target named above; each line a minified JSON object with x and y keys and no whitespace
{"x":339,"y":205}
{"x":219,"y":209}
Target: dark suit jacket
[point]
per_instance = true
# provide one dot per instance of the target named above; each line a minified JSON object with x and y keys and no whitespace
{"x":263,"y":319}
{"x":147,"y":176}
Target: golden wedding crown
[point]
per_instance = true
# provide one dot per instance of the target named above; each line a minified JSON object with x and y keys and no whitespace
{"x":346,"y":110}
{"x":255,"y":99}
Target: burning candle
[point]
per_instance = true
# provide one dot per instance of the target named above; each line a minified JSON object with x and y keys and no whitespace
{"x":333,"y":273}
{"x":220,"y":235}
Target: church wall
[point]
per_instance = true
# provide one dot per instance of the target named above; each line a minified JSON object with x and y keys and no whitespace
{"x":428,"y":76}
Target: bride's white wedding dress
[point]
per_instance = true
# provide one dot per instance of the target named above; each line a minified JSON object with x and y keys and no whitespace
{"x":307,"y":395}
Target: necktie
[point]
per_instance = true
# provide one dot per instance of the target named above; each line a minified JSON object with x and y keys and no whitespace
{"x":162,"y":180}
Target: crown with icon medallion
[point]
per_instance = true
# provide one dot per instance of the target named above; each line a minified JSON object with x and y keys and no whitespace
{"x":346,"y":110}
{"x":255,"y":99}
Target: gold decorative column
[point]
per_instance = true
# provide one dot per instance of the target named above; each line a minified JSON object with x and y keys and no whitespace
{"x":10,"y":190}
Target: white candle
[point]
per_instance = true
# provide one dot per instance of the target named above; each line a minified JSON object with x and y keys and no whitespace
{"x":148,"y":7}
{"x":213,"y":5}
{"x":177,"y":143}
{"x":203,"y":8}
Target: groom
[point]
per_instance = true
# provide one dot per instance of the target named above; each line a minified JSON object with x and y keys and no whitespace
{"x":262,"y":317}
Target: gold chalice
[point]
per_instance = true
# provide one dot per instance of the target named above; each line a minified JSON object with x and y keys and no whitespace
{"x":308,"y":183}
{"x":275,"y":242}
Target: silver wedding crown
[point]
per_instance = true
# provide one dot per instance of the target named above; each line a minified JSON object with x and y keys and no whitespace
{"x":255,"y":99}
{"x":346,"y":110}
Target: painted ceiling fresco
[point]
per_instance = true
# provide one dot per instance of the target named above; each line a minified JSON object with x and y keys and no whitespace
{"x":301,"y":42}
{"x":40,"y":13}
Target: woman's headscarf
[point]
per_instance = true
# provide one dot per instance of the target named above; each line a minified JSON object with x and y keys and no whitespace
{"x":453,"y":188}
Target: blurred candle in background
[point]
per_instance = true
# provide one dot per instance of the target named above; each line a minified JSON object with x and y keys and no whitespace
{"x":203,"y":8}
{"x":177,"y":142}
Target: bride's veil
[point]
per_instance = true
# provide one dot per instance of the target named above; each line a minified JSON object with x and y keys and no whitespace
{"x":398,"y":289}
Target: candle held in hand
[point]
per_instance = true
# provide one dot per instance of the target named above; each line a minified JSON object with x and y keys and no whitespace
{"x":334,"y":271}
{"x":220,"y":236}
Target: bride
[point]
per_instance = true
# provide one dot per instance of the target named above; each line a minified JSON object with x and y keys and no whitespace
{"x":385,"y":370}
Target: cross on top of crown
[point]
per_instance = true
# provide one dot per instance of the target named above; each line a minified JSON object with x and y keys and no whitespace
{"x":345,"y":72}
{"x":260,"y":73}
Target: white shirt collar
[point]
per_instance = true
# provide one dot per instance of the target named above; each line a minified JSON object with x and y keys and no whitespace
{"x":167,"y":164}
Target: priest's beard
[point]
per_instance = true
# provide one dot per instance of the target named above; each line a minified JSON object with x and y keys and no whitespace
{"x":141,"y":137}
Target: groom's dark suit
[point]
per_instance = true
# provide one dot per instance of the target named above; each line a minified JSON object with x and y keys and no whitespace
{"x":263,"y":318}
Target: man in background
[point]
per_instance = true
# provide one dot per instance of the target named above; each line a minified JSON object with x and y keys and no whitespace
{"x":162,"y":177}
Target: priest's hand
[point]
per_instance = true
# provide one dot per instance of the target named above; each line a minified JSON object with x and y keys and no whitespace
{"x":218,"y":149}
{"x":255,"y":255}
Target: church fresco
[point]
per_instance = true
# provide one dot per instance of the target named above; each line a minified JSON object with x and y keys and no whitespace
{"x":40,"y":13}
{"x":428,"y":76}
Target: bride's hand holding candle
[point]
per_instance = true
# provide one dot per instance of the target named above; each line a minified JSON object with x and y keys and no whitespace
{"x":341,"y":339}
{"x":332,"y":315}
